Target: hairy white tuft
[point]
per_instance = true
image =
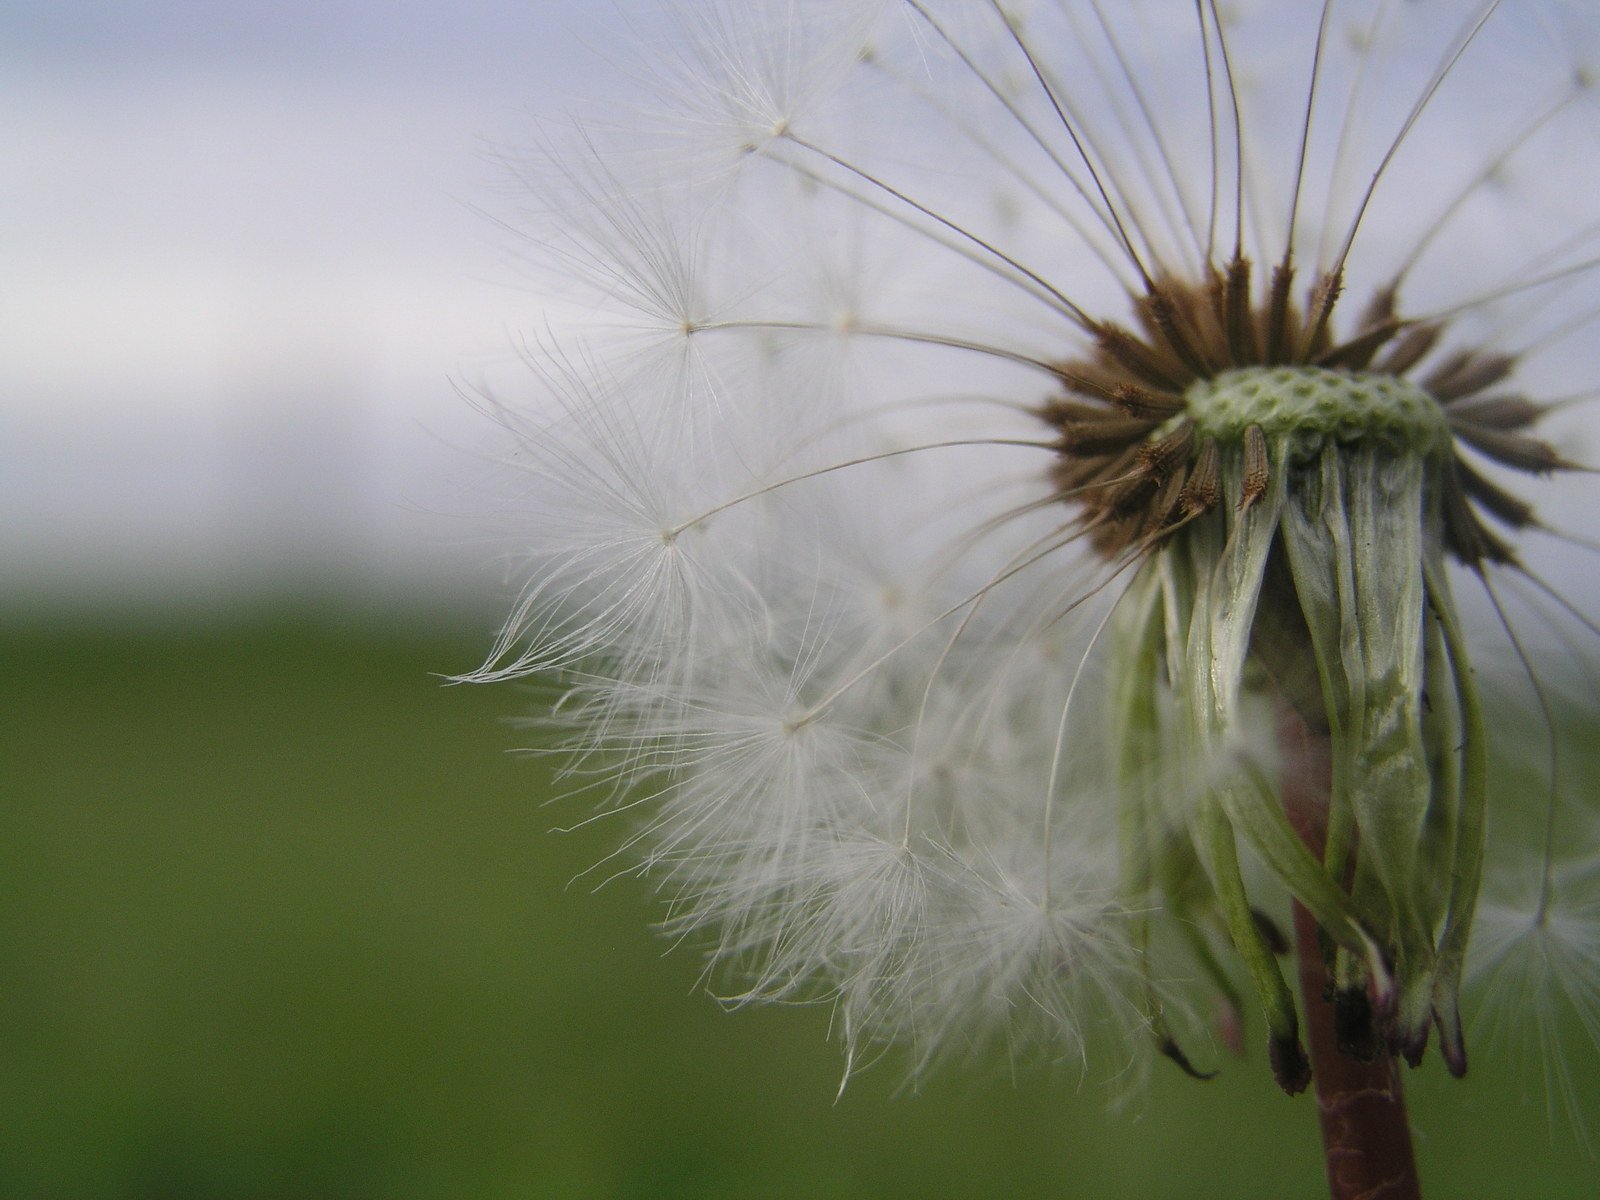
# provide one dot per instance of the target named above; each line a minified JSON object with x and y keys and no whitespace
{"x":828,"y":633}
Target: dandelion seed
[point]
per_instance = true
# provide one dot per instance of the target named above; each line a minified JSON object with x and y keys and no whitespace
{"x":1005,"y":498}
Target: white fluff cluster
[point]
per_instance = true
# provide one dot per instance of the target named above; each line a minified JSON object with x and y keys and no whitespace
{"x":825,"y":633}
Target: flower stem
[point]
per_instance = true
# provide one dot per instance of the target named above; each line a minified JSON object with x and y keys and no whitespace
{"x":1366,"y":1137}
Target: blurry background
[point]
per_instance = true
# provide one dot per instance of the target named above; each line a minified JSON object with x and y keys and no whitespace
{"x":243,"y":265}
{"x":280,"y":914}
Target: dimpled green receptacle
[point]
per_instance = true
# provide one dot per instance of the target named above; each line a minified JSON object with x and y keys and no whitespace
{"x":1308,"y":405}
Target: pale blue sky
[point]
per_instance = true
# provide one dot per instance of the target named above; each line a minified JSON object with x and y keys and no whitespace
{"x":242,"y":269}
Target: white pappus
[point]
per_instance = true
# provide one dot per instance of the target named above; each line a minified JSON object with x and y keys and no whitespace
{"x":951,"y":435}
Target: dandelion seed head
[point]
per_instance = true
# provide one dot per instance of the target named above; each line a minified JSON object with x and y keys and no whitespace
{"x":979,"y":424}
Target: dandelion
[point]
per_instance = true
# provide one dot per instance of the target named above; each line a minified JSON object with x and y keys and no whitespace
{"x":998,"y":508}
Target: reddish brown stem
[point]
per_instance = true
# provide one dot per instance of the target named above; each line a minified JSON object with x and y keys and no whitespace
{"x":1366,"y":1138}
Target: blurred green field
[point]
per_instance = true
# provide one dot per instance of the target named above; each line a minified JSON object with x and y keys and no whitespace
{"x":281,"y":917}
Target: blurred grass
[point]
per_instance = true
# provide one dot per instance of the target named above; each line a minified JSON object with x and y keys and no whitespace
{"x":280,"y":917}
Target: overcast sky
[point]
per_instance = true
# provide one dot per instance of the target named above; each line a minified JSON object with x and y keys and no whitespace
{"x":243,"y":264}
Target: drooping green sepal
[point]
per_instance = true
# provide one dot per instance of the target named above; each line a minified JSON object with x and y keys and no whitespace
{"x":1328,"y":553}
{"x":1356,"y":537}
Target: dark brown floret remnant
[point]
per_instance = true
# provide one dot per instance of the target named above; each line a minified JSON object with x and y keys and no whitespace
{"x":1134,"y":463}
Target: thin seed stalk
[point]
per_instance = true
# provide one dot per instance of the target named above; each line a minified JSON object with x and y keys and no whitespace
{"x":1366,"y":1136}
